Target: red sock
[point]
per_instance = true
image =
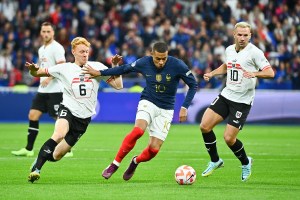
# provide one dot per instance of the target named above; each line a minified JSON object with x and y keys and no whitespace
{"x":147,"y":154}
{"x":128,"y":143}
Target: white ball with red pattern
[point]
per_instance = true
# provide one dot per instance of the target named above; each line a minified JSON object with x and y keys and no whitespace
{"x":185,"y":175}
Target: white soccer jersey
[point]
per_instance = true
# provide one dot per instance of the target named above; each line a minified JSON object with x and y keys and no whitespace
{"x":238,"y":88}
{"x":48,"y":57}
{"x":80,"y":92}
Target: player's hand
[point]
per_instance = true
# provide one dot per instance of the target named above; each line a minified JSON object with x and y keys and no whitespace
{"x":32,"y":66}
{"x":207,"y":76}
{"x":248,"y":74}
{"x":87,"y":69}
{"x":116,"y":59}
{"x":182,"y":114}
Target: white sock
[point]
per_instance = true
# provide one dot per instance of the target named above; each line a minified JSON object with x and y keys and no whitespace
{"x":116,"y":163}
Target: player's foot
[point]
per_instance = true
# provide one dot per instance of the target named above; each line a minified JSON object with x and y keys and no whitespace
{"x":109,"y":171}
{"x":212,"y":166}
{"x":69,"y":154}
{"x":34,"y":176}
{"x":246,"y":170}
{"x":23,"y":152}
{"x":130,"y":170}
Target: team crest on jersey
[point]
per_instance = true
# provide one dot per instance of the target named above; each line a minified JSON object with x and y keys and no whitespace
{"x":168,"y":77}
{"x":81,"y":77}
{"x":238,"y":114}
{"x":158,"y":77}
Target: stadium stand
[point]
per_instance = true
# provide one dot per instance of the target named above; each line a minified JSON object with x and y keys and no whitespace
{"x":196,"y":31}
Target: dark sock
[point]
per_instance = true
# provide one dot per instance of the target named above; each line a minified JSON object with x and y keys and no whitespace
{"x":238,"y":149}
{"x":46,"y":153}
{"x":211,"y":145}
{"x":33,"y":131}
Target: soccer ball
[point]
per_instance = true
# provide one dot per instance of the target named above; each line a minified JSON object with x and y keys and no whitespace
{"x":185,"y":175}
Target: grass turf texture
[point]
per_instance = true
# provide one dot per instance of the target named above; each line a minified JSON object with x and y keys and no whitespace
{"x":275,"y":175}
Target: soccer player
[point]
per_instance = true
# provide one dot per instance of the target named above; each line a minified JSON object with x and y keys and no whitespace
{"x":78,"y":105}
{"x":244,"y":64}
{"x":156,"y":106}
{"x":49,"y":94}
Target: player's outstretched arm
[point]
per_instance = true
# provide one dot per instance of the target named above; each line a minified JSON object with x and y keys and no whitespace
{"x":266,"y":73}
{"x":116,"y":82}
{"x":35,"y":70}
{"x":219,"y":71}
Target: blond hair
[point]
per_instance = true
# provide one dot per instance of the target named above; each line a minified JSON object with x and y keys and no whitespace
{"x":79,"y":40}
{"x":242,"y":25}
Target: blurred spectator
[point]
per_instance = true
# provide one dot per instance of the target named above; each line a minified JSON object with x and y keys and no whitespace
{"x":6,"y":68}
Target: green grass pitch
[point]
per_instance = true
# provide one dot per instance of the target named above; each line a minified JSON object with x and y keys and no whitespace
{"x":275,"y":174}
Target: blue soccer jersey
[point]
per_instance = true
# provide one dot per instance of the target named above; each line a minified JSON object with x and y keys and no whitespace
{"x":161,"y":84}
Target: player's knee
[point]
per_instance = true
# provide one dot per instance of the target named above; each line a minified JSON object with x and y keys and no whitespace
{"x":58,"y":137}
{"x":57,"y":156}
{"x":33,"y":116}
{"x":229,"y":140}
{"x":205,"y":128}
{"x":153,"y":151}
{"x":136,"y":133}
{"x":139,"y":131}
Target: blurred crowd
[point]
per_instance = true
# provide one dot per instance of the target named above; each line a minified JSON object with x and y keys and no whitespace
{"x":197,"y":31}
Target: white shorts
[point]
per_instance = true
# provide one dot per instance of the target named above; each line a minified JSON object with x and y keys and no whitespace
{"x":158,"y":119}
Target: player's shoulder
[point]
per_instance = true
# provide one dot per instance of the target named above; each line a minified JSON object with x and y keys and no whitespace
{"x":97,"y":65}
{"x":254,"y":48}
{"x":55,"y":44}
{"x":230,"y":48}
{"x":64,"y":65}
{"x":141,"y":62}
{"x":144,"y":59}
{"x":175,"y":61}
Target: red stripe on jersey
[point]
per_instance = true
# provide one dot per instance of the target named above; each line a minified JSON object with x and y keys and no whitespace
{"x":266,"y":67}
{"x":238,"y":66}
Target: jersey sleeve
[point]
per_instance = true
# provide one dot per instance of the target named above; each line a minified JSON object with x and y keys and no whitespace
{"x":54,"y":71}
{"x":187,"y":76}
{"x":123,"y":69}
{"x":59,"y":54}
{"x":260,"y":60}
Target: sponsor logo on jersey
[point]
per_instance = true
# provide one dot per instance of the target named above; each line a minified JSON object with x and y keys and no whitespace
{"x":158,"y":77}
{"x":81,"y":77}
{"x":133,"y":64}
